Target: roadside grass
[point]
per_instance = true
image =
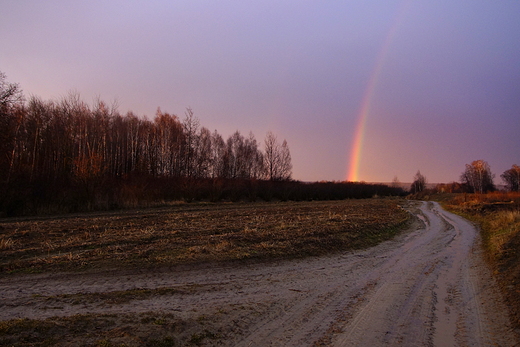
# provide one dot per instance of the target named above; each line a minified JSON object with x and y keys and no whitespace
{"x":195,"y":233}
{"x":498,"y":215}
{"x":153,"y":329}
{"x":103,"y":330}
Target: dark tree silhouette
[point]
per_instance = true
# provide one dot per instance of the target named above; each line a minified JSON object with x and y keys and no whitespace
{"x":277,"y":159}
{"x":11,"y":118}
{"x":511,"y":178}
{"x":10,"y":93}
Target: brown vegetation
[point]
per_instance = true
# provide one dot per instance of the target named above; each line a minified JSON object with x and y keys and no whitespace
{"x":146,"y":329}
{"x":196,"y":233}
{"x":477,"y":177}
{"x":498,"y":215}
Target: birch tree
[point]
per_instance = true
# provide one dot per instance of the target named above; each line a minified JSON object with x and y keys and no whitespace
{"x":478,"y":177}
{"x":419,"y":183}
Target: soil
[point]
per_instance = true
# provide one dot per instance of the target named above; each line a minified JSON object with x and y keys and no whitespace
{"x":195,"y":233}
{"x":429,"y":286}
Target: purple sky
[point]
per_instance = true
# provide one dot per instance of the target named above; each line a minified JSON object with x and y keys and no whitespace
{"x":448,"y":91}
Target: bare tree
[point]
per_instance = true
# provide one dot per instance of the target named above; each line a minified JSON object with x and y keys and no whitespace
{"x":190,"y":126}
{"x":203,"y":154}
{"x":169,"y":137}
{"x":218,"y":154}
{"x":419,"y":183}
{"x":271,"y":156}
{"x":478,"y":177}
{"x":511,"y":178}
{"x":396,"y":183}
{"x":255,"y":158}
{"x":285,"y":162}
{"x":11,"y":116}
{"x":277,"y":159}
{"x":233,"y":162}
{"x":10,"y":93}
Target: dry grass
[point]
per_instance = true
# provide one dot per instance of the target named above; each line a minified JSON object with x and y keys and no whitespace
{"x":504,"y":225}
{"x":6,"y":244}
{"x":104,"y":330}
{"x":196,"y":233}
{"x":498,"y":215}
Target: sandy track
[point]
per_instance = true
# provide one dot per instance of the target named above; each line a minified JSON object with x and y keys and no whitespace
{"x":427,"y":287}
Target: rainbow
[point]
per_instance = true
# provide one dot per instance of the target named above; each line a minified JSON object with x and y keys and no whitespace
{"x":359,"y":135}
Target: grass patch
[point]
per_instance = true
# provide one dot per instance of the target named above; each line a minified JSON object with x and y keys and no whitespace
{"x":146,"y":329}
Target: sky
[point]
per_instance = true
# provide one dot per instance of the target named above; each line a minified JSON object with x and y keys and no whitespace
{"x":361,"y":90}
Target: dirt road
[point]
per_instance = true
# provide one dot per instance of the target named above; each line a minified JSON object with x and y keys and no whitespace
{"x":427,"y":287}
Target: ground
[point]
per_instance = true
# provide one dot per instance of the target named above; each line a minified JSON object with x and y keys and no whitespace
{"x":427,"y":286}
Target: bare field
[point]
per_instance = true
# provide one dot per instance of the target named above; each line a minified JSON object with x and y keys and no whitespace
{"x":427,"y":286}
{"x":127,"y":243}
{"x":193,"y":233}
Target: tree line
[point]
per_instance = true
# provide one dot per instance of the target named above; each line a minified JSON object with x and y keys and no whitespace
{"x":67,"y":153}
{"x":476,"y":178}
{"x":57,"y":141}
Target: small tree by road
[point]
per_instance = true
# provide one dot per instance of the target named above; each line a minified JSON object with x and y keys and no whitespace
{"x":511,"y":178}
{"x":419,"y":183}
{"x":478,"y":177}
